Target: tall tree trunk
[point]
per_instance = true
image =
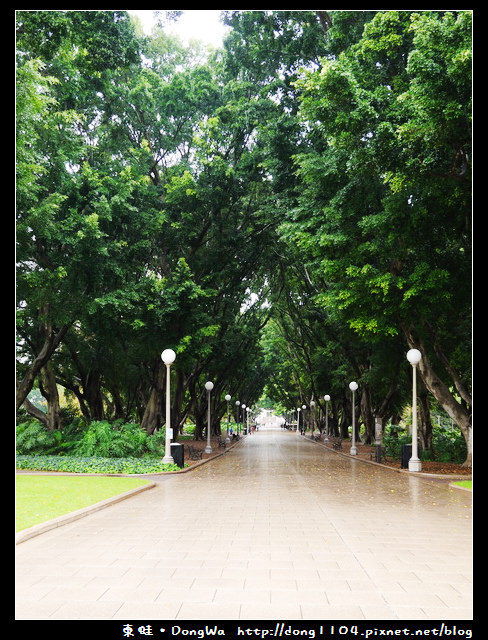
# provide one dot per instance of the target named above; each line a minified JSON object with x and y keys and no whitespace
{"x":367,"y":415}
{"x":49,"y":390}
{"x":35,"y":412}
{"x":81,"y":401}
{"x":52,"y":339}
{"x":92,"y":394}
{"x":178,"y":415}
{"x":154,"y":415}
{"x":425,"y":430}
{"x":345,"y":419}
{"x":200,"y":415}
{"x":119,"y":411}
{"x":200,"y":426}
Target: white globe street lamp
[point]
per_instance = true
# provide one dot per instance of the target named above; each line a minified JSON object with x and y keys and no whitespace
{"x":304,"y":426}
{"x":243,"y":406}
{"x":208,"y":387}
{"x":168,"y":357}
{"x":238,"y":402}
{"x":326,"y":398}
{"x":227,"y":397}
{"x":298,"y":419}
{"x":353,"y":386}
{"x":312,"y":406}
{"x":414,"y":464}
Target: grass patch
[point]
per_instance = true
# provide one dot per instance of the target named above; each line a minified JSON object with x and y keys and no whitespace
{"x":41,"y":498}
{"x":466,"y":484}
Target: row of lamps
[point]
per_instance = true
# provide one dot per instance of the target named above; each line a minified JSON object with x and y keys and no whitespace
{"x":413,"y":356}
{"x":168,"y":357}
{"x":414,"y":464}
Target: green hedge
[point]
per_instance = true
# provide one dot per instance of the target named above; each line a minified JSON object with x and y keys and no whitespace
{"x":448,"y":445}
{"x":92,"y":464}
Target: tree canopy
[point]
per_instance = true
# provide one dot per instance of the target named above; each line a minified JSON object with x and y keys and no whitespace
{"x":287,"y":213}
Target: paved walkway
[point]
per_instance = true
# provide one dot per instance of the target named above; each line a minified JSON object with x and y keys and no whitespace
{"x":278,"y":528}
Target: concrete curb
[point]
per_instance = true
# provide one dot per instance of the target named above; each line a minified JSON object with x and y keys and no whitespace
{"x":462,"y":488}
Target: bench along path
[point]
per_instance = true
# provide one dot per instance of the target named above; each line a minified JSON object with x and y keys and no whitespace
{"x":277,"y":528}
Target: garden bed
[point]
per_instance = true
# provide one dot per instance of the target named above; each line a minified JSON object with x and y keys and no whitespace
{"x":93,"y":464}
{"x":428,"y":466}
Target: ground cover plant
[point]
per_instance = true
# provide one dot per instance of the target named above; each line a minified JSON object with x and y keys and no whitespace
{"x":42,"y":498}
{"x":99,"y":447}
{"x":93,"y":464}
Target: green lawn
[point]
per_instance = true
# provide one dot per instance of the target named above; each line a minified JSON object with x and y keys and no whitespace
{"x":41,"y":498}
{"x":467,"y":484}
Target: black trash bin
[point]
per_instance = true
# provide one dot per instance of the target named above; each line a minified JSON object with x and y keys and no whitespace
{"x":406,"y":455}
{"x":178,"y":454}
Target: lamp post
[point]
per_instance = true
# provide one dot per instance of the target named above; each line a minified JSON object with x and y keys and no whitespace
{"x":238,"y":402}
{"x":243,"y":407}
{"x":326,"y":398}
{"x":414,"y":464}
{"x":208,"y":387}
{"x":312,"y":407}
{"x":168,"y":357}
{"x":304,"y":426}
{"x":353,"y":386}
{"x":227,"y":397}
{"x":298,"y":419}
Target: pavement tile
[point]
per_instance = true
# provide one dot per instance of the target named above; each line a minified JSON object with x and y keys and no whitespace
{"x":35,"y":610}
{"x":167,"y":610}
{"x":342,"y":612}
{"x":79,"y":611}
{"x":236,"y":595}
{"x":209,"y":611}
{"x":260,"y":611}
{"x":432,"y":613}
{"x":377,"y":612}
{"x":183,"y":593}
{"x":66,"y":593}
{"x":34,"y":593}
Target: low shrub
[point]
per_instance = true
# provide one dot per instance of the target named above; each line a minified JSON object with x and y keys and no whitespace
{"x":155,"y":443}
{"x":32,"y":438}
{"x":93,"y":464}
{"x":447,"y":445}
{"x":99,"y":439}
{"x":115,"y":440}
{"x":393,"y":444}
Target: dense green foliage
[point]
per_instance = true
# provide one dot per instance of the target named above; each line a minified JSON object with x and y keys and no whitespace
{"x":93,"y":464}
{"x":111,"y":441}
{"x":288,"y":214}
{"x":100,"y":439}
{"x":447,"y":446}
